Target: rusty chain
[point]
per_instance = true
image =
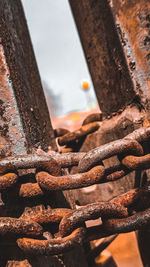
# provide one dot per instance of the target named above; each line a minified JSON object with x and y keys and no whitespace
{"x":125,"y":213}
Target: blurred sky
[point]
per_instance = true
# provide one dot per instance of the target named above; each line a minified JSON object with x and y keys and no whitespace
{"x":58,"y":51}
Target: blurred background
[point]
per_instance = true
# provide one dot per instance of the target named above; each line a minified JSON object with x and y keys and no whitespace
{"x":62,"y":66}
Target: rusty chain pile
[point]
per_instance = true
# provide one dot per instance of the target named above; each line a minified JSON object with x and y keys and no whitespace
{"x":125,"y":213}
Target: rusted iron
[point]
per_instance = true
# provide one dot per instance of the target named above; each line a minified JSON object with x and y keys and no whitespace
{"x":117,"y":215}
{"x":29,"y":161}
{"x":96,"y":155}
{"x":83,"y":131}
{"x":108,"y":228}
{"x":60,"y":132}
{"x":132,"y":22}
{"x":30,"y":190}
{"x":53,"y":246}
{"x":135,"y":222}
{"x":140,"y":135}
{"x":15,"y":226}
{"x":103,"y":51}
{"x":115,"y":172}
{"x":137,"y":163}
{"x":47,"y":215}
{"x":92,"y":211}
{"x":51,"y":161}
{"x":92,"y":117}
{"x":130,"y":198}
{"x":8,"y":180}
{"x":68,"y":159}
{"x":70,"y":181}
{"x":127,"y":198}
{"x":24,"y":119}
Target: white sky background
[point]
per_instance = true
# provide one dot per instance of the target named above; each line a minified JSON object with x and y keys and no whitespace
{"x":58,"y":51}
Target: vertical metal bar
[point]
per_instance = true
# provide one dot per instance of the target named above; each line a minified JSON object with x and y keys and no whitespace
{"x":24,"y":120}
{"x":104,"y":54}
{"x":132,"y":20}
{"x":133,"y":23}
{"x":115,"y":35}
{"x":20,"y":75}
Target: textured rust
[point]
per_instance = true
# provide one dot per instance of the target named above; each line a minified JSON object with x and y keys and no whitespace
{"x":135,"y":222}
{"x":29,"y":161}
{"x":96,"y":155}
{"x":135,"y":200}
{"x":68,"y":159}
{"x":92,"y":211}
{"x":92,"y":117}
{"x":132,"y":19}
{"x":70,"y":181}
{"x":30,"y":190}
{"x":18,"y":226}
{"x":127,"y":198}
{"x":83,"y":131}
{"x":8,"y":180}
{"x":53,"y":246}
{"x":137,"y":163}
{"x":104,"y":54}
{"x":140,"y":135}
{"x":24,"y":119}
{"x":47,"y":216}
{"x":115,"y":172}
{"x":30,"y":126}
{"x":10,"y":133}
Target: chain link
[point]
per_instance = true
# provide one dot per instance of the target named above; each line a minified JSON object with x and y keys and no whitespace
{"x":125,"y":213}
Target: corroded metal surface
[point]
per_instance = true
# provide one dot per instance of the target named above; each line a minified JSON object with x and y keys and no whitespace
{"x":71,"y":181}
{"x":124,"y":213}
{"x":12,"y":138}
{"x":91,"y":211}
{"x":135,"y":163}
{"x":83,"y":131}
{"x":104,"y":54}
{"x":110,"y":69}
{"x":132,"y":20}
{"x":17,"y":226}
{"x":8,"y":180}
{"x":29,"y":161}
{"x":47,"y":216}
{"x":24,"y":126}
{"x":132,"y":223}
{"x":22,"y":93}
{"x":53,"y":246}
{"x":96,"y":155}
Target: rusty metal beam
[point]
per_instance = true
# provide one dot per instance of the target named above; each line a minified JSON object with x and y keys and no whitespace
{"x":24,"y":123}
{"x":25,"y":120}
{"x":132,"y":20}
{"x":104,"y":54}
{"x":115,"y":36}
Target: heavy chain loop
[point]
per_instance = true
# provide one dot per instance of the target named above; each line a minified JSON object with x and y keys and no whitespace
{"x":128,"y":212}
{"x":71,"y":228}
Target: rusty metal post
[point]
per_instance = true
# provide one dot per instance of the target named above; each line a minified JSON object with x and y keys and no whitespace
{"x":104,"y":54}
{"x":115,"y":36}
{"x":24,"y":120}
